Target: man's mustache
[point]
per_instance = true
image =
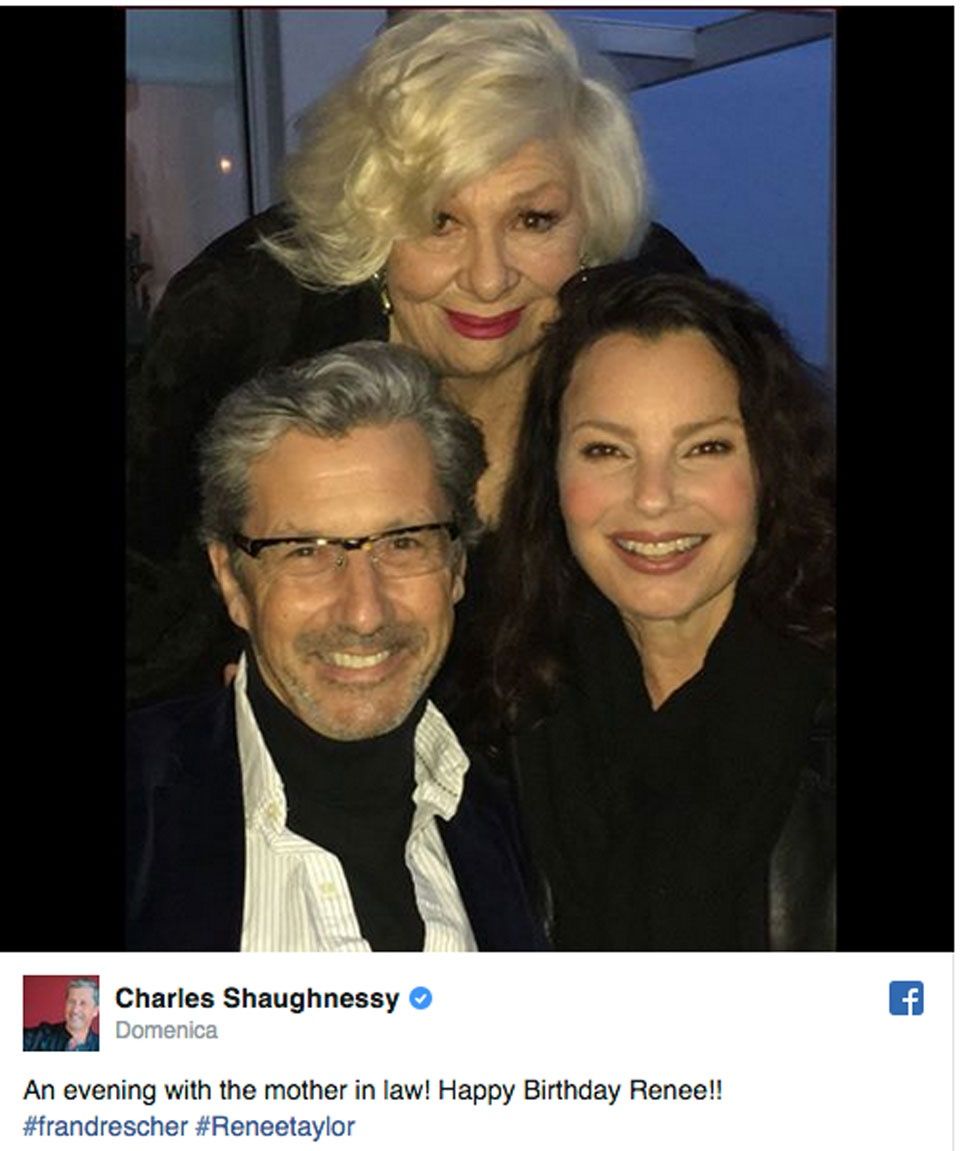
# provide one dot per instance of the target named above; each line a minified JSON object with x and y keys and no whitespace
{"x":337,"y":639}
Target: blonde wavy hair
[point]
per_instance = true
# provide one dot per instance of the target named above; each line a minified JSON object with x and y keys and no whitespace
{"x":439,"y":100}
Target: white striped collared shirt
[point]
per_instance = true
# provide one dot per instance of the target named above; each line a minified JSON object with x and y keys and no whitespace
{"x":296,"y":896}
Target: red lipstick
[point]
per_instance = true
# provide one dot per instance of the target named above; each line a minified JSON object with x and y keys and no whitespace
{"x":484,"y":327}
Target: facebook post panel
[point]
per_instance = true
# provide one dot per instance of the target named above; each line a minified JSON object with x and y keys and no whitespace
{"x":393,"y":1051}
{"x":479,"y":596}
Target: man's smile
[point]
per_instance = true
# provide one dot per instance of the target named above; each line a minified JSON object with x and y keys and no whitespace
{"x":345,"y":659}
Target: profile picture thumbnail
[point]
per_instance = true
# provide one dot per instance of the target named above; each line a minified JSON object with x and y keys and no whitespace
{"x":61,"y":1012}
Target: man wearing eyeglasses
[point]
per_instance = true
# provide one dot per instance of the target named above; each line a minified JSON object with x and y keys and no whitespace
{"x":322,"y":802}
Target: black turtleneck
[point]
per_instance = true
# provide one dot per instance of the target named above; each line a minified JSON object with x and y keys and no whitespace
{"x":355,"y":799}
{"x":655,"y":828}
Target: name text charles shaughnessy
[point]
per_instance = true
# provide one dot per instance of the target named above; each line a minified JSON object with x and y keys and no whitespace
{"x":247,"y":998}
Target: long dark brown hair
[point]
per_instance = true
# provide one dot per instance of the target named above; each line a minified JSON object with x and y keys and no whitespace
{"x":790,"y":576}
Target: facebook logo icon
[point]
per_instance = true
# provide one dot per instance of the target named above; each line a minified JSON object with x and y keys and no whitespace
{"x":906,"y":997}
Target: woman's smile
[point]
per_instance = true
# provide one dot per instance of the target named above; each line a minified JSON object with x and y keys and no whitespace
{"x":657,"y":484}
{"x":658,"y":555}
{"x":484,"y":327}
{"x":474,"y":295}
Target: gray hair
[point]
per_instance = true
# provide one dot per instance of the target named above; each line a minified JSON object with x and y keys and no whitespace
{"x":359,"y":385}
{"x":89,"y":983}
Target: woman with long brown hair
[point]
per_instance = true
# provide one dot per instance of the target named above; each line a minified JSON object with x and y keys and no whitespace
{"x":660,"y":656}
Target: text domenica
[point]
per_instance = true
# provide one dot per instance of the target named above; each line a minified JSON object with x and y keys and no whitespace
{"x":189,"y":1030}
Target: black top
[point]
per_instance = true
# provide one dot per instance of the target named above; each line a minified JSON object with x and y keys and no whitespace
{"x":657,"y":830}
{"x":355,"y":799}
{"x":56,"y":1037}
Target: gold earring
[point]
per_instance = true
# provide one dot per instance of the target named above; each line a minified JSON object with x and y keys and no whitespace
{"x":380,"y":283}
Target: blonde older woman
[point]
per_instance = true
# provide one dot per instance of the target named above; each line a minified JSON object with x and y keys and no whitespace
{"x":441,"y":195}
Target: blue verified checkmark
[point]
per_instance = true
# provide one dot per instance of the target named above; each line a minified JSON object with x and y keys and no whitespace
{"x":421,"y":998}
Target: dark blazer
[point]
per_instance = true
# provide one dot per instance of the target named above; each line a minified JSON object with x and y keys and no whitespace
{"x":185,"y":838}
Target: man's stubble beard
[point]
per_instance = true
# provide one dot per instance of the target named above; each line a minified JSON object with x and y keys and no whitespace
{"x":320,"y":706}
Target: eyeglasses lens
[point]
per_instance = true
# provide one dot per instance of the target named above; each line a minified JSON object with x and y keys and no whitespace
{"x":395,"y":556}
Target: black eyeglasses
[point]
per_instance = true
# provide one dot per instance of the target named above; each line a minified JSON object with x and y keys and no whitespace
{"x":399,"y":552}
